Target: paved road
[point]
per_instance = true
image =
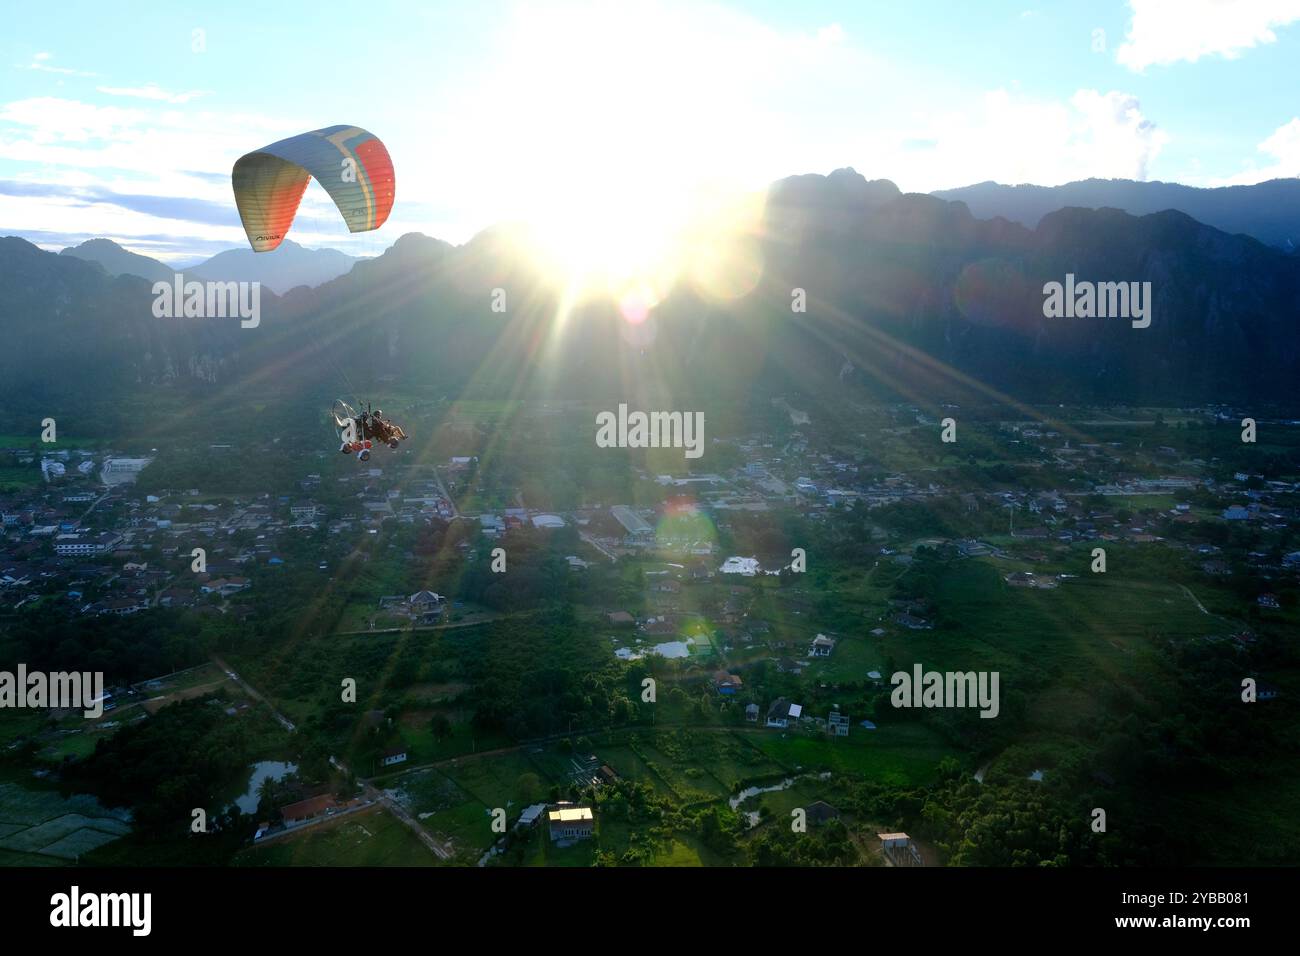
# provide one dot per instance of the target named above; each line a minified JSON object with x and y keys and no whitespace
{"x":592,"y":541}
{"x":93,"y":505}
{"x":294,"y":831}
{"x":1199,"y":606}
{"x":253,"y":692}
{"x":455,"y":513}
{"x":399,"y":811}
{"x":438,"y":627}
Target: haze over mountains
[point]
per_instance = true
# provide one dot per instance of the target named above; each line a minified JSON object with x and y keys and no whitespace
{"x":909,"y":296}
{"x":1268,"y":211}
{"x":293,"y":265}
{"x":118,"y":261}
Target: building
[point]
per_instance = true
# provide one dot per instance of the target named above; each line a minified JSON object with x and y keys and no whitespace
{"x":821,"y":646}
{"x":899,"y":849}
{"x":751,"y":713}
{"x":425,"y":606}
{"x":782,"y":713}
{"x":912,"y":622}
{"x":748,"y":567}
{"x":637,"y":531}
{"x":425,"y":600}
{"x":727,"y":684}
{"x":120,"y":606}
{"x":820,"y":812}
{"x":308,"y":809}
{"x":530,"y":816}
{"x":226,"y":586}
{"x":568,"y":823}
{"x":77,"y":545}
{"x":392,"y":757}
{"x":837,"y":724}
{"x":121,"y":471}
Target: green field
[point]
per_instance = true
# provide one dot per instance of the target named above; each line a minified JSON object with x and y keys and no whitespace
{"x":367,"y":838}
{"x":898,"y":754}
{"x":447,"y":811}
{"x":40,"y":823}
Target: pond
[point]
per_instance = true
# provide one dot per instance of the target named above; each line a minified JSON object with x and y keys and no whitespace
{"x":751,"y":816}
{"x":273,"y":769}
{"x":666,"y":649}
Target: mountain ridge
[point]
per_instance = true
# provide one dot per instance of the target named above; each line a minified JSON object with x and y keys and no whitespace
{"x":925,"y":300}
{"x":1267,"y":211}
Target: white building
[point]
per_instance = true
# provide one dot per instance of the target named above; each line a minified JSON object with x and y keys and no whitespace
{"x":121,"y":471}
{"x":746,"y":566}
{"x":77,"y":545}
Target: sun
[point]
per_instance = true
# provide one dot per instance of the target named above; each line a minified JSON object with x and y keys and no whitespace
{"x":612,"y":238}
{"x":604,"y":130}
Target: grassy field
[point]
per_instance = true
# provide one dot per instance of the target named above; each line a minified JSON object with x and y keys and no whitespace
{"x":367,"y":838}
{"x":1101,"y":626}
{"x":899,"y":754}
{"x":499,"y":781}
{"x":19,"y":478}
{"x":447,"y":811}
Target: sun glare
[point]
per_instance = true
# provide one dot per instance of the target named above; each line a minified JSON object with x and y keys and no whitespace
{"x":615,"y":114}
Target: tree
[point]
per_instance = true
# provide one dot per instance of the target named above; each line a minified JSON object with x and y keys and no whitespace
{"x":440,"y":726}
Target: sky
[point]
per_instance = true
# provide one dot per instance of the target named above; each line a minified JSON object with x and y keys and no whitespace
{"x":124,"y":120}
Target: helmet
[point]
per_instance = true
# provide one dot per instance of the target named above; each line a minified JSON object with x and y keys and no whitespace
{"x":366,"y":444}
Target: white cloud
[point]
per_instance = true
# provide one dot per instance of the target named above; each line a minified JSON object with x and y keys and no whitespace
{"x":103,"y":165}
{"x":77,"y":218}
{"x":1162,"y":32}
{"x":738,"y":103}
{"x":147,"y":141}
{"x":1011,"y":138}
{"x":1283,"y":148}
{"x":572,"y":111}
{"x":41,"y":63}
{"x":151,"y":91}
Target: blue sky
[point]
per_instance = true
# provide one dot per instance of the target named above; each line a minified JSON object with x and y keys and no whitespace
{"x":126,"y":125}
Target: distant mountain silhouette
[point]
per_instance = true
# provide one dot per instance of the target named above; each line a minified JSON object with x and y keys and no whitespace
{"x":922,"y":299}
{"x":118,"y":261}
{"x":1268,"y":211}
{"x":286,"y":268}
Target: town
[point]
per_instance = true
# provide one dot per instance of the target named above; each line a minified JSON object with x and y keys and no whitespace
{"x":646,"y":662}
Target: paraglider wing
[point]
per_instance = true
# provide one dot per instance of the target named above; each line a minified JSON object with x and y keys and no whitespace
{"x":352,"y":164}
